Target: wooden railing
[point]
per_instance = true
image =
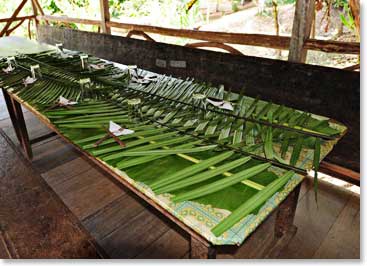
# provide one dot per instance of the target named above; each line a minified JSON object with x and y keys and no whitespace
{"x":269,"y":41}
{"x":8,"y":29}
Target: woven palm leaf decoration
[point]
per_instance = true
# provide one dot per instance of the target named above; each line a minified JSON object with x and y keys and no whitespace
{"x":191,"y":140}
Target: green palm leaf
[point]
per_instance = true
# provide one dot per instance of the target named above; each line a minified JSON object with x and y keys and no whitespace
{"x":221,"y":184}
{"x":252,"y":204}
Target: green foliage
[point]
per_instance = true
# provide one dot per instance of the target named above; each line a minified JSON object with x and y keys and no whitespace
{"x":52,"y":7}
{"x":171,"y":13}
{"x":347,"y":19}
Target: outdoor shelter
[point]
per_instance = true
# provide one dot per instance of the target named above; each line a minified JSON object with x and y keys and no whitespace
{"x":317,"y":90}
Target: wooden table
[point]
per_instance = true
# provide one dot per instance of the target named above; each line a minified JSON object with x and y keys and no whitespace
{"x":200,"y":247}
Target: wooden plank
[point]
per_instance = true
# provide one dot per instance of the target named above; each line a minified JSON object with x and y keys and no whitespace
{"x":65,"y":171}
{"x":301,"y":30}
{"x":87,"y":193}
{"x":119,"y":212}
{"x":46,"y":158}
{"x":171,"y":245}
{"x":263,"y":40}
{"x":314,"y":221}
{"x":33,"y":219}
{"x":128,"y":240}
{"x":343,"y":239}
{"x":105,"y":16}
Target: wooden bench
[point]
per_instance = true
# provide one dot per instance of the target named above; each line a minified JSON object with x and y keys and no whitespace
{"x":34,"y":222}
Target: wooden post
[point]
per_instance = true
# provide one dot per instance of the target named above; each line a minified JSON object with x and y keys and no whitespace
{"x":12,"y":116}
{"x":35,"y":11}
{"x":105,"y":16}
{"x":17,"y":119}
{"x":354,"y":7}
{"x":286,"y":213}
{"x":301,"y":30}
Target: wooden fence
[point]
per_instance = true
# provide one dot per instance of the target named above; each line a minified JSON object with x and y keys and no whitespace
{"x":297,"y":44}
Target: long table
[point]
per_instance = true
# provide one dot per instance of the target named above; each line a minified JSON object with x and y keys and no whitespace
{"x":200,"y":246}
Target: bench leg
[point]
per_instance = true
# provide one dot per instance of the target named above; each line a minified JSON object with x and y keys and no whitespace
{"x":201,"y":250}
{"x":286,"y":213}
{"x":17,"y":119}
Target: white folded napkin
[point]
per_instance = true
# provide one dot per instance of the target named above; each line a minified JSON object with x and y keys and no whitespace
{"x":28,"y":80}
{"x":118,"y":130}
{"x":64,"y":101}
{"x":221,"y":104}
{"x":97,"y":66}
{"x":64,"y":55}
{"x":9,"y":69}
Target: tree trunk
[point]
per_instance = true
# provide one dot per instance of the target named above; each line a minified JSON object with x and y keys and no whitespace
{"x":354,"y":7}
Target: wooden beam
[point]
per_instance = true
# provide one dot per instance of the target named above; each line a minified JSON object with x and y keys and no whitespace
{"x":222,"y":46}
{"x":353,"y":67}
{"x":269,"y":41}
{"x":140,"y":33}
{"x":3,"y":20}
{"x":40,"y":9}
{"x":330,"y":46}
{"x":105,"y":16}
{"x":340,"y":172}
{"x":301,"y":30}
{"x":66,"y":19}
{"x":9,"y":31}
{"x":10,"y":21}
{"x":35,"y":11}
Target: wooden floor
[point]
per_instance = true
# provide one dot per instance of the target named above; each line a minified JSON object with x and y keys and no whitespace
{"x":126,"y":228}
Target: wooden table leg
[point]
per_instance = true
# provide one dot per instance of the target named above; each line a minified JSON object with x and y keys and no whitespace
{"x":201,"y":250}
{"x":286,"y":213}
{"x":12,"y":115}
{"x":17,"y":119}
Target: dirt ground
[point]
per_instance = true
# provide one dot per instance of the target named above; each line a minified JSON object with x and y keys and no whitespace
{"x":251,"y":21}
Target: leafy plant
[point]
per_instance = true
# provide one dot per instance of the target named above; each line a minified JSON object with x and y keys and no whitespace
{"x":347,"y":18}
